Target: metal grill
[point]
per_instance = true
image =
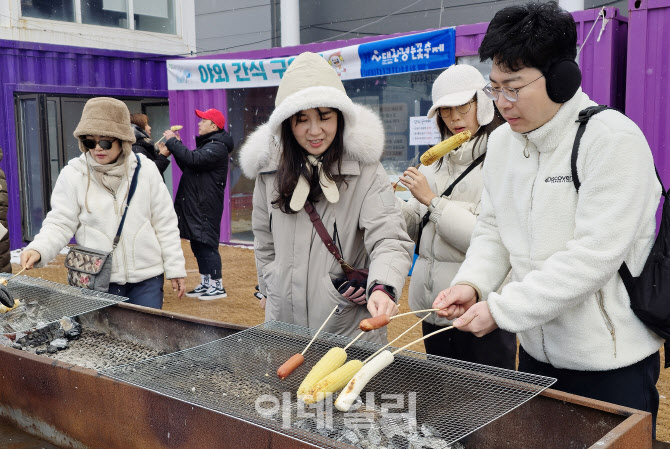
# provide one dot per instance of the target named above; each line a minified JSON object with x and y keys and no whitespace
{"x":44,"y":302}
{"x":236,"y":376}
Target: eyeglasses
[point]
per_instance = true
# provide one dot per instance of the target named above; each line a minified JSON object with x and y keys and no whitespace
{"x":510,"y":93}
{"x":90,"y":144}
{"x":445,"y":111}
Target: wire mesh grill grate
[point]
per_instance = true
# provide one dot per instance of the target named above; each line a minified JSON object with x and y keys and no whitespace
{"x":236,"y":376}
{"x":44,"y":302}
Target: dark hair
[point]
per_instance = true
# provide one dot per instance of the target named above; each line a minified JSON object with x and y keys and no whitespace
{"x":483,"y":131}
{"x":293,"y":160}
{"x":533,"y":35}
{"x":141,"y":120}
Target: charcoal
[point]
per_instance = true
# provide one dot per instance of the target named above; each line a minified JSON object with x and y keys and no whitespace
{"x":374,"y":436}
{"x":348,"y":437}
{"x":59,"y":343}
{"x":41,"y":351}
{"x":57,"y":333}
{"x":429,"y":431}
{"x":17,"y":346}
{"x":400,"y":442}
{"x":52,"y":349}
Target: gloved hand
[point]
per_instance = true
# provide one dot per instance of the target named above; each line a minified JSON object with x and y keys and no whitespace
{"x":354,"y":291}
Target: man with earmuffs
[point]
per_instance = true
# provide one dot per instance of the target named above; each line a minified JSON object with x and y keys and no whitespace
{"x":566,"y":301}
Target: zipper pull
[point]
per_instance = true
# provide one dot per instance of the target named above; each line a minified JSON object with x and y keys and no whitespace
{"x":526,"y":151}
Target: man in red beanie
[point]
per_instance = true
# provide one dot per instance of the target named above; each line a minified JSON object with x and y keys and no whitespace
{"x":199,"y":200}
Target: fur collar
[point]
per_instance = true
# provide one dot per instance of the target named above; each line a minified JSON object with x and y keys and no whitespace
{"x":363,"y":143}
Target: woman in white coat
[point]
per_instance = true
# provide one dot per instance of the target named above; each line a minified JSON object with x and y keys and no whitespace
{"x":88,"y":202}
{"x":441,"y":215}
{"x":320,"y":148}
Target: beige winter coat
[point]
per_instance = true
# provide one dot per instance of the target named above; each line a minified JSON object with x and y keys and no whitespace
{"x":295,"y":270}
{"x":443,"y":246}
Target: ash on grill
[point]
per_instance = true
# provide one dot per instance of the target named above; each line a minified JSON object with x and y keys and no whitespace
{"x":66,"y":341}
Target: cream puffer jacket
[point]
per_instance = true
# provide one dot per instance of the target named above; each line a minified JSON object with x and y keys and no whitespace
{"x":443,"y":245}
{"x":295,"y":270}
{"x":566,"y":301}
{"x":149,"y":244}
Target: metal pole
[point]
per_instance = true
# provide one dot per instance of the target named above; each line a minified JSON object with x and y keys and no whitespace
{"x":290,"y":22}
{"x":571,"y":5}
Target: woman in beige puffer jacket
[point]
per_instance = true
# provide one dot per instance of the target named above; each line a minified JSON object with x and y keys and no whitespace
{"x":316,"y":124}
{"x":459,"y":104}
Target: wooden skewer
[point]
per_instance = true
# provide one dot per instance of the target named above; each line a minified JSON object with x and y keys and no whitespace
{"x":5,"y":281}
{"x":396,"y":339}
{"x":354,"y":340}
{"x":396,"y":183}
{"x":317,"y":332}
{"x":415,"y":311}
{"x":421,"y":339}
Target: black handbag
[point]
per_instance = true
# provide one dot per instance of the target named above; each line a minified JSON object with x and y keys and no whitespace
{"x":650,"y":291}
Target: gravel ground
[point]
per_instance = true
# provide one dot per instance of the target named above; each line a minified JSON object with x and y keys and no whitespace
{"x":241,"y":307}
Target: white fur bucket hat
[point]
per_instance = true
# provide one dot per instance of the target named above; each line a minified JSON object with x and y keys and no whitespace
{"x":310,"y":82}
{"x":456,"y":86}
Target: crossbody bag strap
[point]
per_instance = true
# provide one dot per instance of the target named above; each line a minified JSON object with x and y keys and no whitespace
{"x":325,"y":237}
{"x":131,"y":192}
{"x":447,"y":192}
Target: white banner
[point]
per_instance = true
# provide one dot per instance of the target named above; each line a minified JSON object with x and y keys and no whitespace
{"x":412,"y":53}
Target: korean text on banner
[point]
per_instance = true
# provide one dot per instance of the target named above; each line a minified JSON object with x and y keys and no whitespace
{"x":412,"y":53}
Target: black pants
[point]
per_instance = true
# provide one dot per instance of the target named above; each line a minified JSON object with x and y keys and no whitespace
{"x":631,"y":386}
{"x":208,"y":257}
{"x":495,"y":349}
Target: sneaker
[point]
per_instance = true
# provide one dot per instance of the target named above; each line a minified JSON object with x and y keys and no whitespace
{"x":198,"y":291}
{"x":215,"y":291}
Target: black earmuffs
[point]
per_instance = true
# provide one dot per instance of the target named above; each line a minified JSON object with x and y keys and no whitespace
{"x":563,"y":80}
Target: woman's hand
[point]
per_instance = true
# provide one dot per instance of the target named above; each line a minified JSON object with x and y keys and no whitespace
{"x":417,"y":183}
{"x":29,"y":258}
{"x":477,"y":319}
{"x":262,"y":302}
{"x":380,"y":303}
{"x":455,"y":301}
{"x":163,"y":149}
{"x":179,"y":286}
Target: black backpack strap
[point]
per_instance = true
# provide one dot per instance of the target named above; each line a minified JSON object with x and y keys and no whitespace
{"x":584,"y":116}
{"x":447,"y":192}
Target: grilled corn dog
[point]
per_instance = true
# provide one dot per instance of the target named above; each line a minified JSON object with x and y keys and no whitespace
{"x":442,"y":148}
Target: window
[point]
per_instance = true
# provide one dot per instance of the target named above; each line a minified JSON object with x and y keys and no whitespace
{"x":157,"y":16}
{"x":62,"y":10}
{"x":110,"y":13}
{"x":154,"y":15}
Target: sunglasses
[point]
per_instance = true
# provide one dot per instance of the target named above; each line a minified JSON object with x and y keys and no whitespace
{"x":90,"y":144}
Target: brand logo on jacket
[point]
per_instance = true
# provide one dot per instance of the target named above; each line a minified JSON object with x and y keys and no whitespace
{"x":555,"y":179}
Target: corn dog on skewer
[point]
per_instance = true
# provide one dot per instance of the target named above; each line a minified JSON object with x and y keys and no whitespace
{"x":333,"y":359}
{"x":442,"y":148}
{"x":175,"y":127}
{"x":333,"y":382}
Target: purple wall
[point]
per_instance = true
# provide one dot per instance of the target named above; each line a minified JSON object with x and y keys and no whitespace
{"x":648,"y":87}
{"x":602,"y":63}
{"x":57,"y":69}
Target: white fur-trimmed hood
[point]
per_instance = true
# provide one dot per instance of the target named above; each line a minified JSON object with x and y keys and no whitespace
{"x":363,"y":141}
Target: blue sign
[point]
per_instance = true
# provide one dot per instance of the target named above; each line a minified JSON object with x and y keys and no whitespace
{"x":411,"y":53}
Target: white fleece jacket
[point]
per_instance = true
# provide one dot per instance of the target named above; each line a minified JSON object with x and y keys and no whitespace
{"x":150,"y":243}
{"x":566,"y":300}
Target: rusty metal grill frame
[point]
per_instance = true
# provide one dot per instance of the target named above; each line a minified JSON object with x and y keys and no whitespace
{"x":45,"y":302}
{"x":230,"y":375}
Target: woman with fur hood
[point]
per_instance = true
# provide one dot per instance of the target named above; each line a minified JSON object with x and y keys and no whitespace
{"x":89,"y":199}
{"x":442,"y":214}
{"x":144,"y":145}
{"x":320,"y":148}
